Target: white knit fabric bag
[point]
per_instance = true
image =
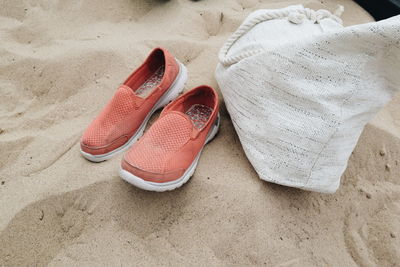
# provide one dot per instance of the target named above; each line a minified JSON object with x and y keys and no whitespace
{"x":300,"y":87}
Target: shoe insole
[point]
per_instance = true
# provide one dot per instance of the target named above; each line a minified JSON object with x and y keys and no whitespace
{"x":199,"y":115}
{"x":145,"y":89}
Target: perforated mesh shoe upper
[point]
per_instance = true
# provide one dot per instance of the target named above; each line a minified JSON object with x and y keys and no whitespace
{"x":163,"y":139}
{"x":131,"y":104}
{"x":173,"y":142}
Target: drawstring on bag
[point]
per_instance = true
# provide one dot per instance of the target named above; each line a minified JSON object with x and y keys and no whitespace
{"x":294,"y":16}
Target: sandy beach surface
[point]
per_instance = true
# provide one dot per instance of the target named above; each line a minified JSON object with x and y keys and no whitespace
{"x":61,"y":61}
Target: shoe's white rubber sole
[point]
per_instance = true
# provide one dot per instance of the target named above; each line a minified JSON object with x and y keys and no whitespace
{"x":173,"y":92}
{"x":168,"y":186}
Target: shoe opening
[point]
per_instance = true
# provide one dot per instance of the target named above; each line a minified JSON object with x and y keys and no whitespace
{"x":149,"y":75}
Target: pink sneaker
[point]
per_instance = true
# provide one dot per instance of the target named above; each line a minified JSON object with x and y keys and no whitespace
{"x":167,"y":155}
{"x":153,"y":85}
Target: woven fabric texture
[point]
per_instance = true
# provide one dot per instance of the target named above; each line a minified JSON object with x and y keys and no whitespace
{"x":300,"y":87}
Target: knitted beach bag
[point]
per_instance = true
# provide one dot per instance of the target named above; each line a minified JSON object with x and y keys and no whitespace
{"x":300,"y":87}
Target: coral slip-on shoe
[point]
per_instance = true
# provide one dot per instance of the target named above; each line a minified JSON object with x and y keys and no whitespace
{"x":167,"y":154}
{"x":153,"y":85}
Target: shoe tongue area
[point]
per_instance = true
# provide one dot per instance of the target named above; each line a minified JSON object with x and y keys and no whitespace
{"x":197,"y":115}
{"x":125,"y":92}
{"x":172,"y":128}
{"x":181,"y":118}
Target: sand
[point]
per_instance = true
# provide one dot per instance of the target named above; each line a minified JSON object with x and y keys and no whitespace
{"x":60,"y":62}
